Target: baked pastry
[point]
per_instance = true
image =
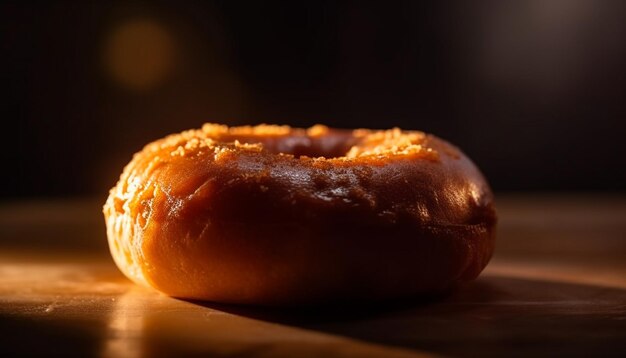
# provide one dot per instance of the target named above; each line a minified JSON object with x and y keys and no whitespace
{"x":273,"y":215}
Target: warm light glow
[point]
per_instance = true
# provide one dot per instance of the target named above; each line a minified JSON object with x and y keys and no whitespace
{"x":139,"y":54}
{"x":126,"y":326}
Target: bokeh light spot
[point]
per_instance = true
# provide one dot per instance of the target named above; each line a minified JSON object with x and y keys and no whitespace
{"x":139,"y":54}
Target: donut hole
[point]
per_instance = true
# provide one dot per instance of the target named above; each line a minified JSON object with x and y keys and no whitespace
{"x":334,"y":145}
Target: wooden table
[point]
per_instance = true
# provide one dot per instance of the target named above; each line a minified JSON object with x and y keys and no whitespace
{"x":557,"y":286}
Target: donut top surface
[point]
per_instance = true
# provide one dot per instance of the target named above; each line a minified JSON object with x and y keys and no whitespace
{"x":388,"y":171}
{"x":317,"y":162}
{"x":315,"y":143}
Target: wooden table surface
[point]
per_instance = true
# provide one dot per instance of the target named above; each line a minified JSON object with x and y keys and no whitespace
{"x":556,"y":286}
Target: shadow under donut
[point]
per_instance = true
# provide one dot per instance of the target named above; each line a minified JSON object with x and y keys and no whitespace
{"x":493,"y":315}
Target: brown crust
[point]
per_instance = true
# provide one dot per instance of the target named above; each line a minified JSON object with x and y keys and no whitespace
{"x":272,"y":215}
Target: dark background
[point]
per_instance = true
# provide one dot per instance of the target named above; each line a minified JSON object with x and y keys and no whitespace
{"x":533,"y":91}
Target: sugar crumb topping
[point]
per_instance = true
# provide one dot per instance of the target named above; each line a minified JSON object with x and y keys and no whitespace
{"x":391,"y":142}
{"x":370,"y":144}
{"x":317,"y":130}
{"x":211,"y":129}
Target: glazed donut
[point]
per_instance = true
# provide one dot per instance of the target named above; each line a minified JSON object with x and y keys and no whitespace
{"x":273,"y":215}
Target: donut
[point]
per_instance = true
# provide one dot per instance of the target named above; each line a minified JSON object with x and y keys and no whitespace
{"x":274,"y":216}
